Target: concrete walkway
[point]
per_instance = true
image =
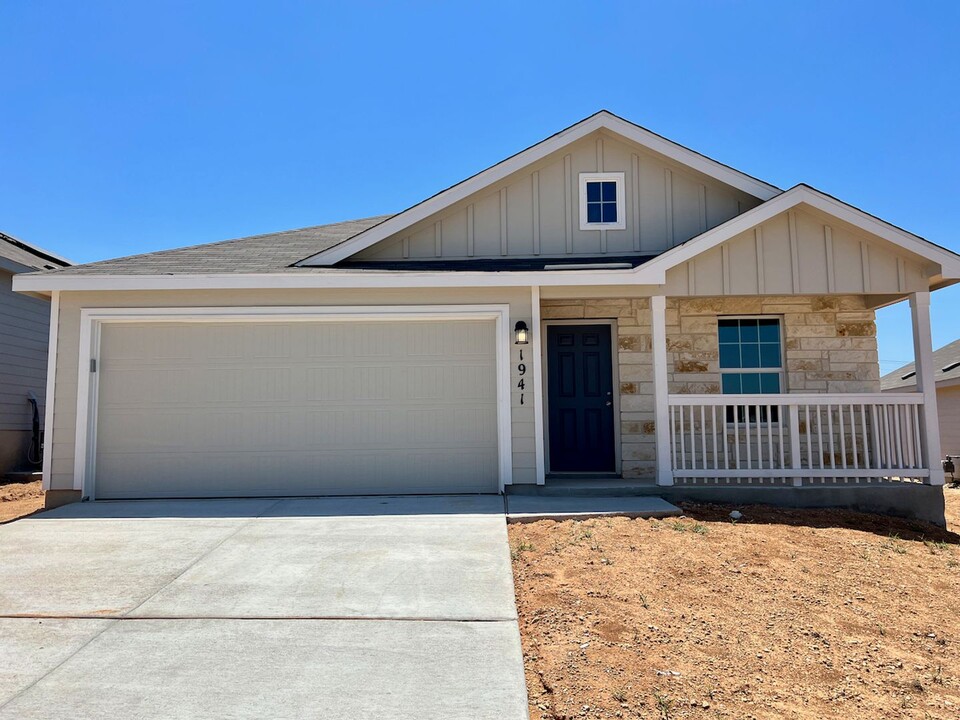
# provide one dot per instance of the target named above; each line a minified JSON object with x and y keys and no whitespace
{"x":333,"y":608}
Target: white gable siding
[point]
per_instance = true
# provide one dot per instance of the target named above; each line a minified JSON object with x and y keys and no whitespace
{"x":799,"y":252}
{"x":535,"y":212}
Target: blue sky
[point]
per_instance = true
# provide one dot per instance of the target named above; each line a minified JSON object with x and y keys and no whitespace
{"x":130,"y":127}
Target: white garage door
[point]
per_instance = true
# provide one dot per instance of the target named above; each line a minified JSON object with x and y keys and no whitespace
{"x":219,"y":409}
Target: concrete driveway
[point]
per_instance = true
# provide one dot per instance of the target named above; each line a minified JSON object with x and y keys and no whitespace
{"x":333,"y":608}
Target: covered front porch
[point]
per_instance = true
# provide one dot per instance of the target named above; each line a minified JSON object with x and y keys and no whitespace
{"x":680,"y":432}
{"x":799,"y":438}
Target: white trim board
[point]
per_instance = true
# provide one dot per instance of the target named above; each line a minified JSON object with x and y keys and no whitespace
{"x":602,"y":120}
{"x":48,"y":398}
{"x":92,"y":319}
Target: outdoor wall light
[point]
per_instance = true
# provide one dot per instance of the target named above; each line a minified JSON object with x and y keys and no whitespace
{"x":522,"y":332}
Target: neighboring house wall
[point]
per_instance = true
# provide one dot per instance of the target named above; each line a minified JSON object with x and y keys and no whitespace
{"x":948,"y":410}
{"x":537,"y":210}
{"x":830,"y":346}
{"x":795,"y":252}
{"x":65,"y":409}
{"x":24,"y":328}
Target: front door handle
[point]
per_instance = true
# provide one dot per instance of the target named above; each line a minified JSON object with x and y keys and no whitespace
{"x":609,"y":403}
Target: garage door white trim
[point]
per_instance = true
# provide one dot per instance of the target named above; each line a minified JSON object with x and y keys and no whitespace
{"x":91,"y":320}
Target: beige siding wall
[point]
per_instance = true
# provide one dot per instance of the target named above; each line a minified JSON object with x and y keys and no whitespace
{"x":948,"y":408}
{"x":798,"y":252}
{"x":536,"y":211}
{"x":64,"y":423}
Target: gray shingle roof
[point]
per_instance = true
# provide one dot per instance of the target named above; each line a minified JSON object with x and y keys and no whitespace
{"x":27,"y":255}
{"x":946,"y":357}
{"x":269,"y":253}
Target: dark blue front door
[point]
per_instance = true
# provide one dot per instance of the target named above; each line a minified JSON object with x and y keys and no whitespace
{"x":580,"y":398}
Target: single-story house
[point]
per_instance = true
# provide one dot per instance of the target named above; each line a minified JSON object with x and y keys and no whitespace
{"x":604,"y":304}
{"x":946,"y":375}
{"x":24,"y":331}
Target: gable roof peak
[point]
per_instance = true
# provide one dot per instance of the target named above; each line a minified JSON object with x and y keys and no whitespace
{"x":602,"y":119}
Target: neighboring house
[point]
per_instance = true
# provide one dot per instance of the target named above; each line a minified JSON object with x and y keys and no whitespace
{"x":606,"y":303}
{"x":946,"y":375}
{"x":24,"y":330}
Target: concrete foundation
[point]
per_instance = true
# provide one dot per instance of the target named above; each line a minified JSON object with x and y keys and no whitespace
{"x":905,"y":500}
{"x":56,"y":498}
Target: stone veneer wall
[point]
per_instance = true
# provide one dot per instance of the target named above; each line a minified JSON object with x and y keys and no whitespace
{"x":830,"y":342}
{"x":830,"y":346}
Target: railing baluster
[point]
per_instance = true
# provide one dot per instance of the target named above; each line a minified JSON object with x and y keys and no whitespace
{"x":819,"y":437}
{"x":843,"y":439}
{"x":806,"y":415}
{"x":683,"y":442}
{"x":746,"y":432}
{"x":875,"y":426}
{"x":853,"y":437}
{"x":921,"y":461}
{"x":736,"y":436}
{"x":673,"y":434}
{"x":889,"y":441}
{"x":693,"y":440}
{"x":863,"y":430}
{"x":769,"y":438}
{"x":703,"y":436}
{"x":833,"y":456}
{"x":713,"y":429}
{"x":780,"y":421}
{"x":898,"y":436}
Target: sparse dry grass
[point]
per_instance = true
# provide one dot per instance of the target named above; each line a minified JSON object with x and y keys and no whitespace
{"x":784,"y":614}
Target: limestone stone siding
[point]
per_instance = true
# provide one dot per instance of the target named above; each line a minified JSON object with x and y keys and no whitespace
{"x":830,"y":342}
{"x":830,"y":346}
{"x":635,"y":370}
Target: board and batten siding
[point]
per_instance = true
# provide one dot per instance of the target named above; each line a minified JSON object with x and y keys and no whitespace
{"x":536,"y":211}
{"x":799,"y":252}
{"x":71,"y":303}
{"x":948,"y":409}
{"x":24,"y":329}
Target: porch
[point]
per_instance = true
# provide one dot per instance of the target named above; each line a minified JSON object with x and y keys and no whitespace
{"x":677,"y":424}
{"x":797,"y":439}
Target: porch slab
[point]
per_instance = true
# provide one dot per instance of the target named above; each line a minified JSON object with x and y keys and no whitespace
{"x":530,"y":508}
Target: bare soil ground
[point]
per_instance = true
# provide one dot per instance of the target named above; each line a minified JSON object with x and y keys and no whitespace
{"x":783,"y":614}
{"x":19,"y":499}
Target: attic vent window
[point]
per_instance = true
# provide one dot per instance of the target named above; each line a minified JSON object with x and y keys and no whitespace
{"x":951,"y":366}
{"x":601,"y":201}
{"x":908,"y":375}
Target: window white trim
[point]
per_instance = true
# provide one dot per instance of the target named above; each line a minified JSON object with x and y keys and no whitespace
{"x":92,"y":319}
{"x":618,"y":178}
{"x":779,"y":371}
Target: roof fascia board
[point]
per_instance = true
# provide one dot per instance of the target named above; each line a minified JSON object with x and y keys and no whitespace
{"x":32,"y":282}
{"x":602,"y":120}
{"x":654,"y":272}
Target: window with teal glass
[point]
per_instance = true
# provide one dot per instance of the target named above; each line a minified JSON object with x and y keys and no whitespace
{"x":751,"y":358}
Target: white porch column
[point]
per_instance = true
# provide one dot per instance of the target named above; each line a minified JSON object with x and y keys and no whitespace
{"x":926,"y":384}
{"x":658,"y":322}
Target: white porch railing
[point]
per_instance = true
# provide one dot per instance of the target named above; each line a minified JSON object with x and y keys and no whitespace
{"x":797,"y":439}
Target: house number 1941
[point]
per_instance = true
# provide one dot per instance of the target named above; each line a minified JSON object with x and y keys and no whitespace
{"x":521,"y":370}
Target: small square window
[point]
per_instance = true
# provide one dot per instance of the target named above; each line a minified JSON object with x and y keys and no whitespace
{"x":602,"y":201}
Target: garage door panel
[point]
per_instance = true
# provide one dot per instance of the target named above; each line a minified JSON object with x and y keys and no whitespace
{"x":296,"y":408}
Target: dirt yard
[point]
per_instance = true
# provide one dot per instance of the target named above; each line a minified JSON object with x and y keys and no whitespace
{"x":783,"y":614}
{"x":19,"y":499}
